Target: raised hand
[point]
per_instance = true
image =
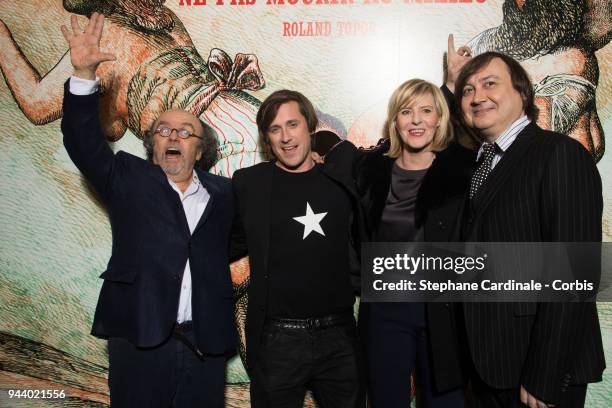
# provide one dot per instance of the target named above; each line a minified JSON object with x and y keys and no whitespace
{"x":85,"y":53}
{"x":455,"y":60}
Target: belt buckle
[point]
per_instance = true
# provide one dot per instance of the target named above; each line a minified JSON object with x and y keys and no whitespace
{"x":314,"y":323}
{"x":183,"y":327}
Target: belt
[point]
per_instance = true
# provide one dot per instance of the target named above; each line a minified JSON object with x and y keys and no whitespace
{"x":183,"y":327}
{"x":179,"y":333}
{"x":314,"y":323}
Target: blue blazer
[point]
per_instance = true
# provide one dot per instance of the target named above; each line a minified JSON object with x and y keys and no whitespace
{"x":152,"y":243}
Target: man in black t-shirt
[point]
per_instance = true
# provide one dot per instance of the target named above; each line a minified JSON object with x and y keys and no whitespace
{"x":298,"y":220}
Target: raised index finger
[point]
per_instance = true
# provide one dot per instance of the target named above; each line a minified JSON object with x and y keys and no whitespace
{"x":451,"y":44}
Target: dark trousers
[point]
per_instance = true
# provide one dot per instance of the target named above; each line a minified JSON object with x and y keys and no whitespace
{"x":169,"y":375}
{"x":484,"y":396}
{"x":397,"y":344}
{"x":324,"y":360}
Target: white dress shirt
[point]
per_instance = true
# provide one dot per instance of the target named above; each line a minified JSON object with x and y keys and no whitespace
{"x":504,"y":140}
{"x":194,"y":200}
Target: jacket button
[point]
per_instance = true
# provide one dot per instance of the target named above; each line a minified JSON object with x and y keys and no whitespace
{"x":175,"y":277}
{"x":441,"y":225}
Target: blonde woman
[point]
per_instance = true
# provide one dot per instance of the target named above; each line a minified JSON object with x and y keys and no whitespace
{"x":412,"y":185}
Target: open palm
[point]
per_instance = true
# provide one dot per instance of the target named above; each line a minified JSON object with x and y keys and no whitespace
{"x":85,"y":53}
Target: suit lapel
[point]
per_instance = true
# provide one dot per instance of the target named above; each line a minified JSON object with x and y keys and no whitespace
{"x":265,"y":195}
{"x":171,"y":196}
{"x":512,"y":158}
{"x":156,"y":173}
{"x":380,"y":186}
{"x":213,"y":192}
{"x":180,"y":214}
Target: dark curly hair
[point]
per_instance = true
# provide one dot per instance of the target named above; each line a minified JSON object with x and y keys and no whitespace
{"x":208,"y":146}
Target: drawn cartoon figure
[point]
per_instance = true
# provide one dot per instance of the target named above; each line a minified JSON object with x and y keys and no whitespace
{"x":556,"y":42}
{"x":157,"y":68}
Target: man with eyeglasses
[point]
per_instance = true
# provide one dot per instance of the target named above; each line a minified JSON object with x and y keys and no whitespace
{"x":166,"y":303}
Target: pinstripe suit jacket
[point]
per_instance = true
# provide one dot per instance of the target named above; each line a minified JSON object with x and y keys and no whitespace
{"x":546,"y":188}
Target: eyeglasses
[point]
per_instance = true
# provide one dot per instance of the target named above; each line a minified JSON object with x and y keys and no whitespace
{"x":165,"y":131}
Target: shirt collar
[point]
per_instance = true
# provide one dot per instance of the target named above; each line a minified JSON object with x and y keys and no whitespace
{"x":503,"y":142}
{"x":193,"y":187}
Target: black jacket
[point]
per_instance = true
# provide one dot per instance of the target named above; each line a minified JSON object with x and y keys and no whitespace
{"x":252,"y":191}
{"x":546,"y":188}
{"x":438,"y":208}
{"x":152,"y":243}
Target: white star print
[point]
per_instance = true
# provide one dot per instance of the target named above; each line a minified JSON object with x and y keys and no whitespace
{"x":311,"y":221}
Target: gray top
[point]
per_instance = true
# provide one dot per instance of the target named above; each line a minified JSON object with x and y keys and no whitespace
{"x":398,"y":218}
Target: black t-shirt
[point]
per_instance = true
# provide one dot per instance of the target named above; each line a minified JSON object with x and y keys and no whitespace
{"x":308,"y":262}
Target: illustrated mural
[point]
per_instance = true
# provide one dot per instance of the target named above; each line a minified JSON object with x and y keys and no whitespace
{"x":219,"y":59}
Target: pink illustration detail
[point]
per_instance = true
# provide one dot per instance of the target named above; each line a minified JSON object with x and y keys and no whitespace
{"x":242,"y":73}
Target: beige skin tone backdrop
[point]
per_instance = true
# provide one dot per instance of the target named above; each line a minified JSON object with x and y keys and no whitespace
{"x":163,"y":59}
{"x":561,"y":71}
{"x":37,"y":91}
{"x":579,"y":30}
{"x":40,"y":96}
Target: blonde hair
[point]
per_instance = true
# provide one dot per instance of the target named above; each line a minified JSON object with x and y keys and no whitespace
{"x":403,"y":96}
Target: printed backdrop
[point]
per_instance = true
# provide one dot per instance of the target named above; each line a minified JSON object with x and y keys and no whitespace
{"x":219,"y":59}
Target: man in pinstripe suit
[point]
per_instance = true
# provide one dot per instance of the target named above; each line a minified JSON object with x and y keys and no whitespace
{"x":530,"y":186}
